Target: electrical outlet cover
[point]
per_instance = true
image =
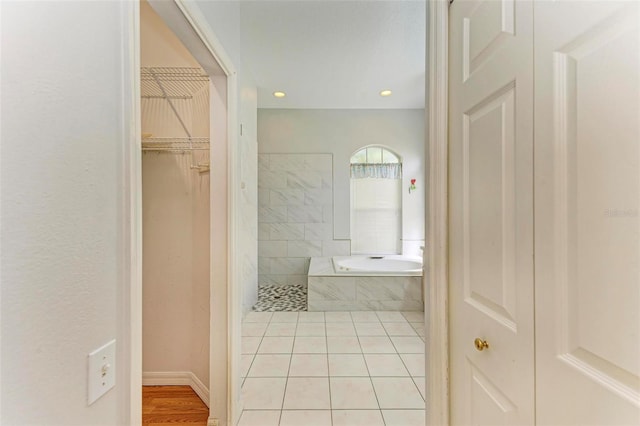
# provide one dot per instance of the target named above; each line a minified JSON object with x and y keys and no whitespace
{"x":102,"y":371}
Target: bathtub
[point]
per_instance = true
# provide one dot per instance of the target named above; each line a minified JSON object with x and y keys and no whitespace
{"x":378,"y":265}
{"x":365,"y":283}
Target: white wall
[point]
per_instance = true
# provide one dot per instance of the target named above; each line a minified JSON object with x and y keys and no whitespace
{"x":248,"y":201}
{"x":343,"y":132}
{"x":159,"y":46}
{"x":224,"y":19}
{"x":200,"y":302}
{"x":167,"y":274}
{"x":64,"y":132}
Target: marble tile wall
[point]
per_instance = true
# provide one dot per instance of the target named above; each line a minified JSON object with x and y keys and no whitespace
{"x":295,"y":216}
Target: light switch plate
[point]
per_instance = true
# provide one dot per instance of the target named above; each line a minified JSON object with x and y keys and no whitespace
{"x":102,"y":371}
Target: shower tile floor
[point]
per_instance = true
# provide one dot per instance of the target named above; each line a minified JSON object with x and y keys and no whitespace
{"x":333,"y":369}
{"x":272,"y":298}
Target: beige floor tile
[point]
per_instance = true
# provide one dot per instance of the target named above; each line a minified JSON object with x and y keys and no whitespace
{"x":390,"y":316}
{"x":388,"y":365}
{"x":306,"y":418}
{"x":404,"y":417}
{"x":398,"y":329}
{"x":421,"y":384}
{"x":281,"y":329}
{"x":284,"y":317}
{"x":340,"y":329}
{"x":347,"y":365}
{"x":245,"y":364}
{"x":270,"y":366}
{"x":344,"y":345}
{"x":352,"y":393}
{"x":370,"y":329}
{"x":262,"y":317}
{"x":310,"y":345}
{"x":418,"y":327}
{"x":275,"y":345}
{"x":414,"y":316}
{"x":263,"y":393}
{"x":397,"y":392}
{"x":307,"y":393}
{"x":376,"y":344}
{"x":414,"y":363}
{"x":311,"y":317}
{"x":250,"y":345}
{"x":364,"y":316}
{"x":309,"y":365}
{"x":259,"y":418}
{"x":296,"y":370}
{"x":357,"y":418}
{"x":255,"y":329}
{"x":311,"y":329}
{"x":408,"y":345}
{"x":337,"y":316}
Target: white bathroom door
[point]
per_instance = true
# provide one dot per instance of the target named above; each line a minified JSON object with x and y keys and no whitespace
{"x":587,"y":179}
{"x":491,"y":212}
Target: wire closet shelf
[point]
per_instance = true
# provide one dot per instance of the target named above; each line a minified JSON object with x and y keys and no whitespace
{"x":174,"y":144}
{"x":174,"y":83}
{"x":171,"y":82}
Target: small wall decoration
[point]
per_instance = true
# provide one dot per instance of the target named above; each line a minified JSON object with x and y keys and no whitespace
{"x":412,"y":187}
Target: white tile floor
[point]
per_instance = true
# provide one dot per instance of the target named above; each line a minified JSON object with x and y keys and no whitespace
{"x":333,"y":369}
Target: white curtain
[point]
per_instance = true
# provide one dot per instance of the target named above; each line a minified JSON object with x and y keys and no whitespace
{"x":383,"y":171}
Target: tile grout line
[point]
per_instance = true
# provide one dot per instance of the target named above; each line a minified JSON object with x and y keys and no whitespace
{"x":254,"y":355}
{"x":368,"y":371}
{"x":286,"y":383}
{"x":365,"y":360}
{"x":405,"y":365}
{"x":252,"y":360}
{"x":326,"y":342}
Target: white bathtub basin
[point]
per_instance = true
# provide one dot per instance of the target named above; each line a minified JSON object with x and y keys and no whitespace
{"x":384,"y":265}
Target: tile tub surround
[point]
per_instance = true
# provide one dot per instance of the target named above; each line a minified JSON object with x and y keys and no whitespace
{"x":328,"y":291}
{"x":295,"y":216}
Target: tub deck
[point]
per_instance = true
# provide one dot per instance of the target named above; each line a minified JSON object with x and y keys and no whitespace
{"x":362,"y":291}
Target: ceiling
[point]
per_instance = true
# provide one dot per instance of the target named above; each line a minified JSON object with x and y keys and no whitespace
{"x":336,"y":53}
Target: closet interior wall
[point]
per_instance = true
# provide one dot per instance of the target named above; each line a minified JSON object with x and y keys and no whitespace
{"x":176,"y":220}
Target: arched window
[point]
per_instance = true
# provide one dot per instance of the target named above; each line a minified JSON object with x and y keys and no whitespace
{"x":376,"y":201}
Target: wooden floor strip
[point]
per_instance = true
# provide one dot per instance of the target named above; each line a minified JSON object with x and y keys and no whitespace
{"x":171,"y":405}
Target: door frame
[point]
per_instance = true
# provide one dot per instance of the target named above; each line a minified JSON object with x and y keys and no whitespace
{"x":437,"y":282}
{"x":191,"y":27}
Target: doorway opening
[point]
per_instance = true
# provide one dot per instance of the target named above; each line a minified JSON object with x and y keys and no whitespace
{"x":187,"y":303}
{"x":175,"y":224}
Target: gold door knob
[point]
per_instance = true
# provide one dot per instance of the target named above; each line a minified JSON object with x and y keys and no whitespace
{"x":480,"y":344}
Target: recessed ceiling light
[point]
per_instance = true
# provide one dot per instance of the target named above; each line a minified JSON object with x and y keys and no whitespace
{"x":385,"y":93}
{"x":279,"y":94}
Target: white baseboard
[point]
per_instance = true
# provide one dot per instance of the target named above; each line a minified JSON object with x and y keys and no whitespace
{"x":199,"y":388}
{"x":176,"y":378}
